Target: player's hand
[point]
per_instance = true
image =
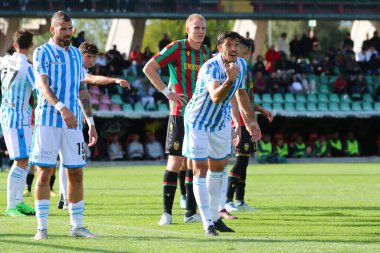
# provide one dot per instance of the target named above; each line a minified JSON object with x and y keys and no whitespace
{"x":236,"y":136}
{"x":69,"y":118}
{"x":254,"y":130}
{"x":179,"y":98}
{"x":268,"y":115}
{"x":232,"y":71}
{"x":92,"y":136}
{"x":123,"y":83}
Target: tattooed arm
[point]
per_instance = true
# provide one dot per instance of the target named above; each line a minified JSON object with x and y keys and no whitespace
{"x":85,"y":104}
{"x":68,"y":117}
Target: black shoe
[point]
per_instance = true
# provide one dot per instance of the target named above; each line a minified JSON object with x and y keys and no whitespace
{"x":60,"y":202}
{"x":220,"y":226}
{"x":211,"y":231}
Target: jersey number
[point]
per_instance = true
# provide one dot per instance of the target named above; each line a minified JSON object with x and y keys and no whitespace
{"x":81,"y":150}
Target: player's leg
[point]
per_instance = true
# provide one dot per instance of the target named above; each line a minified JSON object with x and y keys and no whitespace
{"x":18,"y":144}
{"x":241,"y":205}
{"x":72,"y":152}
{"x":51,"y":183}
{"x":63,"y":203}
{"x":191,"y":214}
{"x":29,"y":182}
{"x":182,"y":180}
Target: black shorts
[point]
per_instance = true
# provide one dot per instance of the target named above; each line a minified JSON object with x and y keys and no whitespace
{"x":245,"y":146}
{"x":175,"y":135}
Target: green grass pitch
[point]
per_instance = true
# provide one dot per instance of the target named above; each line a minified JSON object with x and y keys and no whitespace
{"x":302,"y":208}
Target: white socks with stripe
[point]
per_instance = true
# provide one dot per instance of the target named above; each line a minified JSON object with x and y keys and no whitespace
{"x":16,"y":183}
{"x":202,"y":198}
{"x":214,"y":185}
{"x":42,"y":212}
{"x":63,"y":182}
{"x":76,"y":214}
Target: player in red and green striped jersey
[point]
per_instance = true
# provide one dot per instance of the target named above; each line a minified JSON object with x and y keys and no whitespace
{"x":184,"y":59}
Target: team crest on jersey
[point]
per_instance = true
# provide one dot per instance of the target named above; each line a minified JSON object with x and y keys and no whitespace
{"x":187,"y":52}
{"x":57,"y":56}
{"x":246,"y":146}
{"x":251,"y":85}
{"x":176,"y":145}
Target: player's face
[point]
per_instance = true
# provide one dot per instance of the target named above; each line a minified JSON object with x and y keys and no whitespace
{"x":89,"y":60}
{"x":229,"y":49}
{"x":62,"y":32}
{"x":196,"y":30}
{"x":244,"y":52}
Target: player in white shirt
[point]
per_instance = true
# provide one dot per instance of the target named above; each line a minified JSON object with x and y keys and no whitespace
{"x":59,"y":74}
{"x":205,"y":145}
{"x":17,"y":82}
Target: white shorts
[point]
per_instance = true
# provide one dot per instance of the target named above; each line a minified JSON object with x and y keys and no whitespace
{"x":18,"y":141}
{"x":201,"y":145}
{"x":48,"y":142}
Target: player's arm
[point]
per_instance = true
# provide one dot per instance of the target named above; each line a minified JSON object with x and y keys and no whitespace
{"x":219,"y":92}
{"x":68,"y":117}
{"x":248,"y":114}
{"x":264,"y":112}
{"x":150,"y":69}
{"x":85,"y":104}
{"x":236,"y":119}
{"x":104,"y":80}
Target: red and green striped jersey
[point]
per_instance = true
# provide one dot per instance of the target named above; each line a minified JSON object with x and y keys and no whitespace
{"x":249,"y":89}
{"x":184,"y":63}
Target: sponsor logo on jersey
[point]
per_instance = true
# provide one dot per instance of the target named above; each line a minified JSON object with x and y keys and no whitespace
{"x":191,"y":66}
{"x":176,"y":145}
{"x":246,"y":146}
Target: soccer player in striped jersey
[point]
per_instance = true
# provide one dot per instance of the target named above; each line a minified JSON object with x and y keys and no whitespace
{"x":237,"y":175}
{"x":184,"y":58}
{"x":89,"y":53}
{"x":59,"y":74}
{"x":205,"y":144}
{"x":17,"y":82}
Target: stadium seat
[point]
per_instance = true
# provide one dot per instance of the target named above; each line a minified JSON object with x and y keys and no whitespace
{"x":289,"y":107}
{"x":105,"y":99}
{"x":312,"y":107}
{"x":267,"y":98}
{"x":300,"y":107}
{"x":324,"y":80}
{"x":277,"y":97}
{"x":312,"y":98}
{"x":139,"y":107}
{"x":150,"y":107}
{"x":345,"y":98}
{"x":300,"y":98}
{"x":357,"y":107}
{"x":367,"y":97}
{"x":104,"y":107}
{"x":162,"y":107}
{"x":334,"y":107}
{"x":345,"y":107}
{"x":267,"y":106}
{"x":257,"y":98}
{"x":322,"y":98}
{"x":367,"y":106}
{"x":324,"y":89}
{"x":334,"y":98}
{"x":115,"y":107}
{"x":277,"y":106}
{"x":377,"y":106}
{"x":289,"y":98}
{"x":322,"y":107}
{"x":116,"y":99}
{"x":127,"y":108}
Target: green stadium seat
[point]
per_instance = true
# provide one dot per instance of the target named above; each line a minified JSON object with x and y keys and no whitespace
{"x":367,"y":106}
{"x":289,"y":107}
{"x":267,"y":106}
{"x":356,"y":107}
{"x":312,"y":98}
{"x":267,"y":98}
{"x":345,"y":98}
{"x":377,"y":106}
{"x":370,"y":80}
{"x":127,"y":108}
{"x":324,"y":89}
{"x":277,"y":97}
{"x":163,"y":107}
{"x":257,"y":98}
{"x":300,"y":107}
{"x":277,"y":106}
{"x":356,"y":96}
{"x":289,"y":98}
{"x":367,"y":97}
{"x":324,"y":80}
{"x":300,"y":98}
{"x":345,"y":107}
{"x":322,"y":98}
{"x":139,"y":107}
{"x":334,"y":98}
{"x":334,"y":107}
{"x":116,"y":99}
{"x":150,"y":107}
{"x":311,"y":107}
{"x":322,"y":107}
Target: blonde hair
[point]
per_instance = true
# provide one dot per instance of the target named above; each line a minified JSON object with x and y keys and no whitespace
{"x":194,"y":16}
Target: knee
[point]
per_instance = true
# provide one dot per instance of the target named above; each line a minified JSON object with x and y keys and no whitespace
{"x":75,"y":175}
{"x":44,"y":177}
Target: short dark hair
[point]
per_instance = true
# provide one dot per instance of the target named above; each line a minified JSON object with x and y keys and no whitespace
{"x":249,"y":43}
{"x":89,"y":48}
{"x":227,"y":35}
{"x":60,"y":16}
{"x":23,"y":38}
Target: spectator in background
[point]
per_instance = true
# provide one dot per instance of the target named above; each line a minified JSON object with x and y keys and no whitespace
{"x":360,"y":86}
{"x":320,"y":148}
{"x":327,"y":66}
{"x":164,"y":42}
{"x":282,"y":150}
{"x":308,"y":86}
{"x":259,"y":65}
{"x":81,"y":37}
{"x":284,"y":83}
{"x":136,"y":56}
{"x":148,"y":54}
{"x":375,"y":41}
{"x":272,"y":83}
{"x":144,"y":91}
{"x":296,"y":86}
{"x":340,"y":85}
{"x":265,"y":150}
{"x":299,"y":148}
{"x":135,"y":149}
{"x":347,"y":42}
{"x":305,"y":45}
{"x":282,"y":45}
{"x":271,"y":56}
{"x":351,"y":146}
{"x":153,"y":148}
{"x":294,"y":46}
{"x":335,"y":147}
{"x":115,"y":150}
{"x":259,"y":84}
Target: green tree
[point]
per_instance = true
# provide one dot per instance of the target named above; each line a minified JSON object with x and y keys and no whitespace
{"x":96,"y":30}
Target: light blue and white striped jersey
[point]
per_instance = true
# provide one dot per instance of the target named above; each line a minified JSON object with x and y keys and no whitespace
{"x":65,"y":71}
{"x":201,"y":113}
{"x":17,"y":82}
